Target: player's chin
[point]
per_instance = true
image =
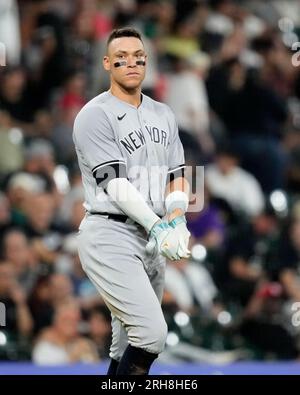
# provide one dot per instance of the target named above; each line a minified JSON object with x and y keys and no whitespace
{"x":132,"y":84}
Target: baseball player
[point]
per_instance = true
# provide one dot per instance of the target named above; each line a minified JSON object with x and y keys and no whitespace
{"x":136,"y":196}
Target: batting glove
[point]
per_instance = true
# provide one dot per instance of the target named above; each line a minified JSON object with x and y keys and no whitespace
{"x":164,"y":239}
{"x":179,"y":224}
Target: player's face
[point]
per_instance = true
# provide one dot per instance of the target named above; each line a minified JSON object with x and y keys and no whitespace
{"x":127,"y":50}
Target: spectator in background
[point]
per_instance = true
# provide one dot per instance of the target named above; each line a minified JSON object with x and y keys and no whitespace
{"x":288,"y":260}
{"x":39,"y":157}
{"x":191,"y":286}
{"x":89,"y":28}
{"x":71,"y":101}
{"x":61,"y":289}
{"x":91,"y":19}
{"x":226,"y":180}
{"x":43,"y":124}
{"x":71,"y":208}
{"x":183,"y":41}
{"x":39,"y":215}
{"x":254,"y":115}
{"x":40,"y":160}
{"x":18,"y":318}
{"x":14,"y":96}
{"x":277,"y":70}
{"x":16,"y":250}
{"x":61,"y":343}
{"x":45,"y":55}
{"x":69,"y":264}
{"x":5,"y":120}
{"x":10,"y":30}
{"x":11,"y":145}
{"x":50,"y":291}
{"x":263,"y":323}
{"x":100,"y":330}
{"x":207,"y":226}
{"x":46,"y":238}
{"x":5,"y":213}
{"x":186,"y":95}
{"x":73,"y":93}
{"x":40,"y":304}
{"x":292,"y":146}
{"x":20,"y":189}
{"x":163,"y":19}
{"x":249,"y":250}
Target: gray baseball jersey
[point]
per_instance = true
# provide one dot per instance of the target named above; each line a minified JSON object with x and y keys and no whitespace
{"x":114,"y":138}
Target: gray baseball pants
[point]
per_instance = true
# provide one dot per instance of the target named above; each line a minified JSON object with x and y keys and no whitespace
{"x":130,"y":282}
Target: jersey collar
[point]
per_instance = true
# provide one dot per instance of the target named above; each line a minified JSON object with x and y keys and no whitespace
{"x":128,"y":104}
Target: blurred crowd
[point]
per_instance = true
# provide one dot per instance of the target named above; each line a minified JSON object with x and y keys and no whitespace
{"x":229,"y":72}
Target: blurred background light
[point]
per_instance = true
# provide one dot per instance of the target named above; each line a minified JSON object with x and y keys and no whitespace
{"x":199,"y":252}
{"x":224,"y":318}
{"x":181,"y":318}
{"x":172,"y":339}
{"x":278,"y":200}
{"x":61,"y":179}
{"x":286,"y":24}
{"x":15,"y":135}
{"x":289,"y":38}
{"x":3,"y":339}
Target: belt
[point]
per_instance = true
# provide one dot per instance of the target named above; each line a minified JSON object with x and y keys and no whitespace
{"x":115,"y":217}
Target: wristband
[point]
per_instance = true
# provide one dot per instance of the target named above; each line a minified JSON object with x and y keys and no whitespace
{"x":176,"y":199}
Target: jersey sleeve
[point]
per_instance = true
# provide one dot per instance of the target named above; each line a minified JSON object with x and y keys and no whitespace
{"x":94,"y":138}
{"x":176,"y":160}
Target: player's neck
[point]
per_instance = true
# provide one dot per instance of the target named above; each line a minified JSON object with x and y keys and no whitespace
{"x":132,"y":96}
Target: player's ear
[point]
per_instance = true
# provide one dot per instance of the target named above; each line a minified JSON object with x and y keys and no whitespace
{"x":106,"y":63}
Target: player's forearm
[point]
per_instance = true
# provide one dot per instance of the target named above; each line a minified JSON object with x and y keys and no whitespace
{"x":178,"y":184}
{"x":131,"y":202}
